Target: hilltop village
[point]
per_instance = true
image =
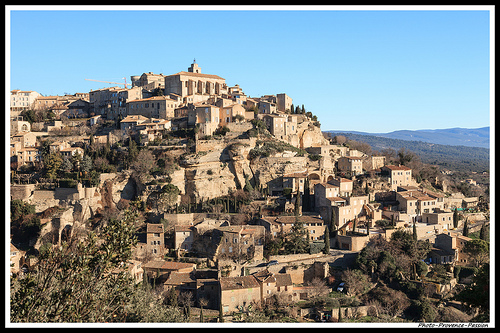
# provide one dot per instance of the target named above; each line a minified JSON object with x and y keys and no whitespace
{"x":242,"y":207}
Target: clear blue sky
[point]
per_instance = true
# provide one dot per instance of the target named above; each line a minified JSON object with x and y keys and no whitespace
{"x":374,"y":71}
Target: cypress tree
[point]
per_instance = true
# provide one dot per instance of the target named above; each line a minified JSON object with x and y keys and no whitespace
{"x":333,"y":225}
{"x":455,"y":218}
{"x":482,"y":232}
{"x":415,"y":231}
{"x":466,"y":228}
{"x":297,"y":204}
{"x":326,"y":250}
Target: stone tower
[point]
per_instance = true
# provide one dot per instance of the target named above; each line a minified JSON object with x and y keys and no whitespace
{"x":194,"y":68}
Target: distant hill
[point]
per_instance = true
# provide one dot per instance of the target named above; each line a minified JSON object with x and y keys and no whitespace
{"x":469,"y":137}
{"x":460,"y":158}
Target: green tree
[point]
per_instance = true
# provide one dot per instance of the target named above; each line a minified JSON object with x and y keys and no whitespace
{"x":297,"y":204}
{"x":326,"y":236}
{"x":87,"y":164}
{"x":465,"y":232}
{"x":476,"y":296}
{"x":478,"y":250}
{"x":296,"y":239}
{"x":483,"y":232}
{"x":80,"y":281}
{"x":52,"y":164}
{"x":455,"y":218}
{"x":66,"y":165}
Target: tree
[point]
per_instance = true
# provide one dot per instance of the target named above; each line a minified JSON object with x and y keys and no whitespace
{"x":52,"y":164}
{"x":476,"y":296}
{"x":80,"y":281}
{"x":297,"y":204}
{"x":356,"y":282}
{"x":143,"y":164}
{"x":333,"y":223}
{"x":478,"y":250}
{"x":326,"y":236}
{"x":87,"y":164}
{"x":483,"y":232}
{"x":455,"y":218}
{"x":406,"y":156}
{"x":465,"y":232}
{"x":66,"y":165}
{"x":296,"y":239}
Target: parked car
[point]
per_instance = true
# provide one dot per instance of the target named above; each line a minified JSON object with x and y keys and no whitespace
{"x":340,"y":288}
{"x":272,"y":262}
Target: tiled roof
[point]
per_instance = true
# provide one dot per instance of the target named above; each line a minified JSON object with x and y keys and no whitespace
{"x":238,"y":282}
{"x":211,"y":76}
{"x":154,"y":227}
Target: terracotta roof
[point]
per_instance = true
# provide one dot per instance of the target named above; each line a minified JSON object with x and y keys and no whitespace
{"x":152,"y":227}
{"x":238,"y":282}
{"x":178,"y":278}
{"x":396,"y":167}
{"x":283,"y":279}
{"x":168,"y":265}
{"x":198,"y":75}
{"x":154,"y":98}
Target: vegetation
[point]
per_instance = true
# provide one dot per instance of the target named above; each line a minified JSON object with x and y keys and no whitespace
{"x":458,"y":158}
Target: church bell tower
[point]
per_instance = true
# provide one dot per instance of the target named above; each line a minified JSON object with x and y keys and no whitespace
{"x":194,"y":68}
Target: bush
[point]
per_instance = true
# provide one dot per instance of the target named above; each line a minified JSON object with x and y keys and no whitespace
{"x":68,"y":183}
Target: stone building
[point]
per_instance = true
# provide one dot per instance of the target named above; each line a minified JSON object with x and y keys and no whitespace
{"x":155,"y":240}
{"x":193,"y":82}
{"x":21,"y":100}
{"x":399,"y":175}
{"x":148,"y":81}
{"x":160,"y":107}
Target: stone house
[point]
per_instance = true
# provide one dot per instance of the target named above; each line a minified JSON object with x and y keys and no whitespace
{"x":17,"y":258}
{"x":284,"y":102}
{"x":276,"y":225}
{"x":72,"y":151}
{"x":130,"y":122}
{"x":183,"y":237}
{"x":354,"y":208}
{"x":148,"y":81}
{"x":17,"y":125}
{"x":350,"y":164}
{"x":238,"y":293}
{"x":274,"y":284}
{"x":352,"y":242}
{"x":153,"y":107}
{"x":161,"y":269}
{"x":22,"y":100}
{"x":241,"y":242}
{"x":295,"y":181}
{"x":398,"y":175}
{"x":448,"y":249}
{"x":155,"y":240}
{"x":444,"y":218}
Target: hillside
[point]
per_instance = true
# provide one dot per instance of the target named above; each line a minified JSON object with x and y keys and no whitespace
{"x":460,"y":158}
{"x":469,"y":137}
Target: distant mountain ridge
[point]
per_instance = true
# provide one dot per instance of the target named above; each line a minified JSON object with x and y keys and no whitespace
{"x":469,"y":137}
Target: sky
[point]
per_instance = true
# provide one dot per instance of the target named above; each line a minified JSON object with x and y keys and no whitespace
{"x":363,"y":70}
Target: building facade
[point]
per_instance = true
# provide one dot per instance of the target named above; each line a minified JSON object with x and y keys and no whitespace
{"x":193,"y":82}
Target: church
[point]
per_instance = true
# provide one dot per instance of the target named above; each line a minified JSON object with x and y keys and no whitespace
{"x":195,"y":84}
